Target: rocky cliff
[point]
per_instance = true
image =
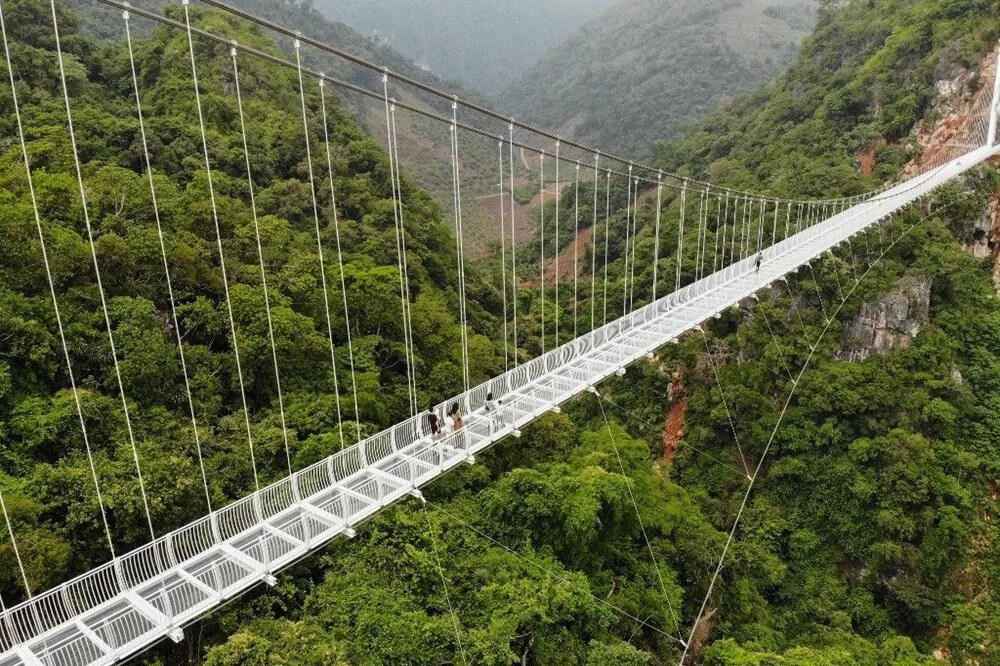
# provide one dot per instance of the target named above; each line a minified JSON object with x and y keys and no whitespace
{"x":888,"y":322}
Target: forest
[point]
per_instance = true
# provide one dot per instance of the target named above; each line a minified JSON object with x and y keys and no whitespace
{"x":870,"y":537}
{"x":42,"y":448}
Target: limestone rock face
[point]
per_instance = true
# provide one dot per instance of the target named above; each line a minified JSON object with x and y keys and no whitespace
{"x":888,"y":322}
{"x":957,"y":127}
{"x":979,"y":245}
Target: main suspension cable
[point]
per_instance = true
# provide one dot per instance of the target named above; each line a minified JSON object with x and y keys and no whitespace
{"x":427,"y":88}
{"x":420,"y":110}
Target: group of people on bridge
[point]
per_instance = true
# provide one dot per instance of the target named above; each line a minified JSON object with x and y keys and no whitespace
{"x":439,"y":427}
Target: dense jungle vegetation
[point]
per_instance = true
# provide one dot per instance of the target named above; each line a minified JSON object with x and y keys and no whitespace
{"x":42,"y":453}
{"x":870,"y":538}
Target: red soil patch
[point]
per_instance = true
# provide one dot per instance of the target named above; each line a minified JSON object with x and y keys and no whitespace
{"x":947,"y":141}
{"x":580,"y":247}
{"x":673,"y":429}
{"x":866,"y":158}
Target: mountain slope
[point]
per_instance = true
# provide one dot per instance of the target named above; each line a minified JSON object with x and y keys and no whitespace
{"x":425,"y":156}
{"x":41,"y":470}
{"x":104,"y":22}
{"x":485,"y":43}
{"x":647,"y":68}
{"x":870,"y":538}
{"x":867,"y":84}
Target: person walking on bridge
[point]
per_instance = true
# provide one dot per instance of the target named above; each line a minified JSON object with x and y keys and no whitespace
{"x":434,"y":422}
{"x":492,"y":409}
{"x":456,"y":417}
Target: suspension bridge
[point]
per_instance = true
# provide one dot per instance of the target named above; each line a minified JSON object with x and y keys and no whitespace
{"x":140,"y":597}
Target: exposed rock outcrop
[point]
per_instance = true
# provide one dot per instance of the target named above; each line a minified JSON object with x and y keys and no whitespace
{"x":888,"y":322}
{"x":962,"y":97}
{"x":992,"y":236}
{"x":979,"y":245}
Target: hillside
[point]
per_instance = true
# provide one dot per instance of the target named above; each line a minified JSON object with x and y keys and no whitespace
{"x":425,"y":152}
{"x":483,"y":43}
{"x":647,"y":68}
{"x":40,"y":467}
{"x":104,"y":22}
{"x":872,"y":537}
{"x":868,"y":83}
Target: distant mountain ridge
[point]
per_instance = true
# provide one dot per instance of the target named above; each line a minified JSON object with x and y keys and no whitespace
{"x":679,"y":61}
{"x":484,"y":43}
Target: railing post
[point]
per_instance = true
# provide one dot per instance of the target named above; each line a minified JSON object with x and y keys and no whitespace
{"x":9,"y":623}
{"x":258,"y":507}
{"x":213,"y":520}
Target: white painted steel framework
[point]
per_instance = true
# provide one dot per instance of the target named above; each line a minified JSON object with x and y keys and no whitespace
{"x":125,"y":605}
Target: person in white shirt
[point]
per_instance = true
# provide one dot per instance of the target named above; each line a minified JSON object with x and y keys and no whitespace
{"x":492,"y":408}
